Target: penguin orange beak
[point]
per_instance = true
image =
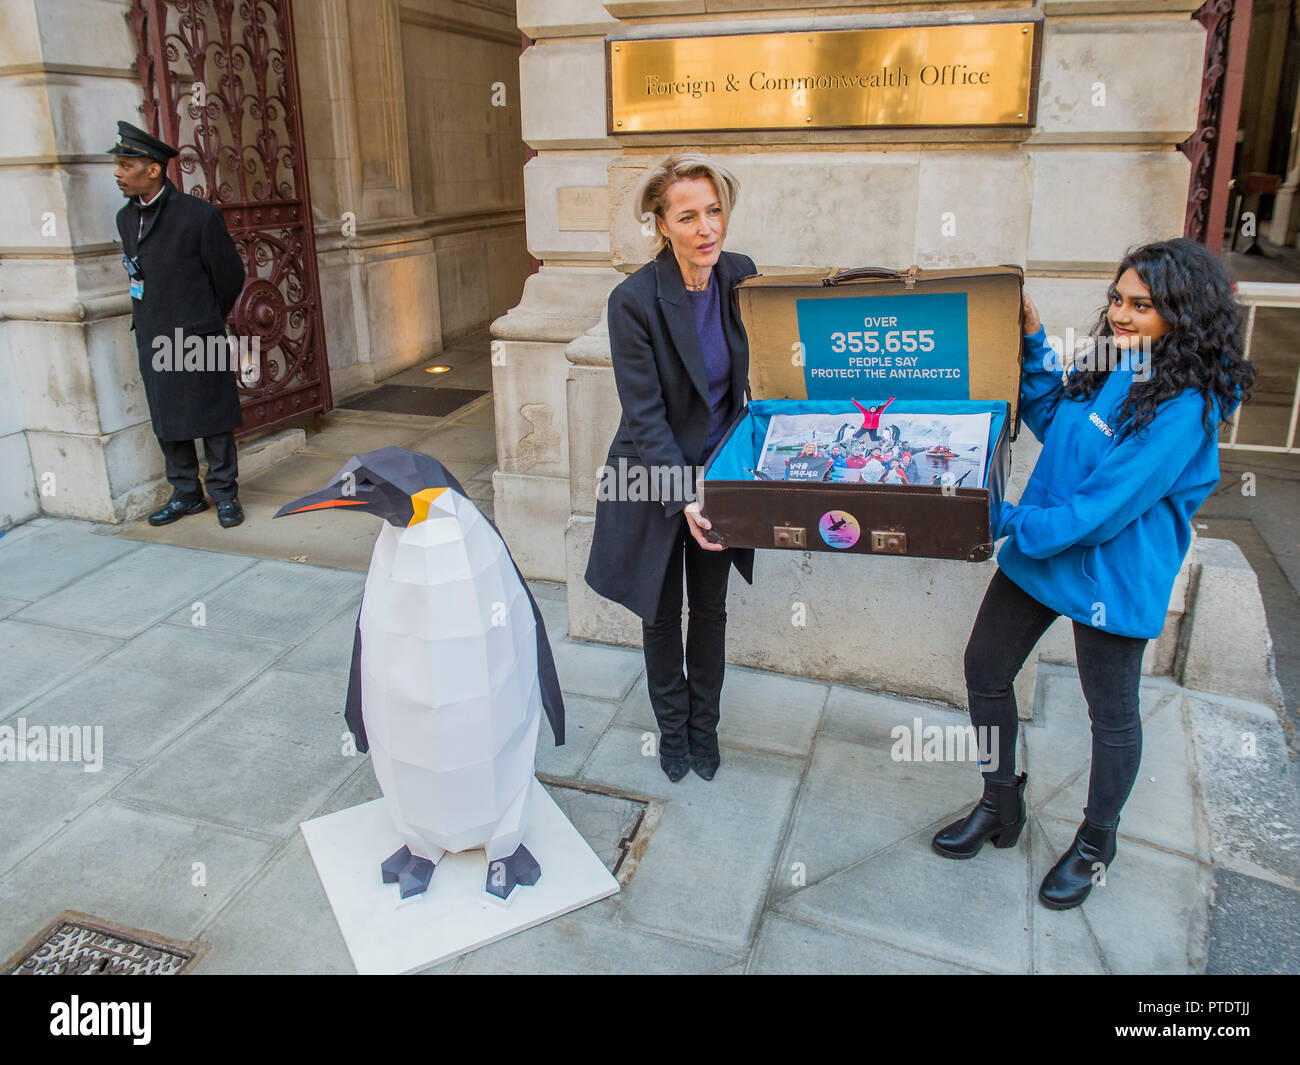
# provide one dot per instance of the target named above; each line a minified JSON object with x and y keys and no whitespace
{"x":321,"y":499}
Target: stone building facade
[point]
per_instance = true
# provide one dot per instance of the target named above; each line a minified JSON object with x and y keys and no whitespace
{"x":411,"y":134}
{"x":1099,"y":171}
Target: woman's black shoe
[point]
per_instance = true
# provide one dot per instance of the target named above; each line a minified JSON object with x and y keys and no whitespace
{"x":1072,"y":877}
{"x":998,"y":816}
{"x":176,"y":509}
{"x":674,"y":766}
{"x":706,"y":764}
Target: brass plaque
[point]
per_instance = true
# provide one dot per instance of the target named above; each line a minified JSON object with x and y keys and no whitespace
{"x":970,"y":74}
{"x":582,"y":208}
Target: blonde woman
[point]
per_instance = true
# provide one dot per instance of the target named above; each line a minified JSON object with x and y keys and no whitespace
{"x":681,"y":361}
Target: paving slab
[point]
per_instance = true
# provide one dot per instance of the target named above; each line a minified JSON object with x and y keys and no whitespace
{"x":130,"y":866}
{"x":35,"y":525}
{"x":1151,"y":914}
{"x":585,"y":721}
{"x":40,"y":798}
{"x":329,"y":649}
{"x":1162,"y":807}
{"x":34,"y":658}
{"x":294,"y":476}
{"x":573,"y":945}
{"x":786,"y":947}
{"x":360,"y":787}
{"x":1059,"y":742}
{"x":596,"y":670}
{"x":128,"y":594}
{"x":325,"y":537}
{"x":282,"y":601}
{"x":8,"y":606}
{"x":706,"y":870}
{"x":1061,"y":941}
{"x":343,"y":439}
{"x":151,"y":689}
{"x":973,"y":913}
{"x":477,"y":412}
{"x":51,"y":556}
{"x":280,"y":922}
{"x":555,"y":615}
{"x":459,"y":443}
{"x":759,"y":710}
{"x":262,"y":762}
{"x":856,"y":801}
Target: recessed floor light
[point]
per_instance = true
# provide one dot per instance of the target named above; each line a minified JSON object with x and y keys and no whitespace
{"x":436,"y":369}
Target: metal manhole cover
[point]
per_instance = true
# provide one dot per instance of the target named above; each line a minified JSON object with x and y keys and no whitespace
{"x":77,"y":944}
{"x":616,"y":824}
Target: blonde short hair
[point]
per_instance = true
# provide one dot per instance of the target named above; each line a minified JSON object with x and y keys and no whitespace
{"x":651,"y":200}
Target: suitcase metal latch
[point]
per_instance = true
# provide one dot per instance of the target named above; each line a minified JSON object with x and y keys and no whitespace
{"x":788,"y":536}
{"x":889,"y":542}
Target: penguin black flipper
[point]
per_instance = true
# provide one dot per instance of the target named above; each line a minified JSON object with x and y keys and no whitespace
{"x":352,"y":713}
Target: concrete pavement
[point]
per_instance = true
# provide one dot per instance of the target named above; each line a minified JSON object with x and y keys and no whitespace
{"x":214,"y":662}
{"x":809,"y":852}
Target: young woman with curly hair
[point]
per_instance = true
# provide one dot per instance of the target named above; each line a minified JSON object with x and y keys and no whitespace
{"x":1130,"y":451}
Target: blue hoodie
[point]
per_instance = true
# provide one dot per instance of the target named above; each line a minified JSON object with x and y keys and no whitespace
{"x":1103,"y":525}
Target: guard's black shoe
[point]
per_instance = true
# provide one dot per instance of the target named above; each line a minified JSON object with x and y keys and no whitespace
{"x":1084,"y":864}
{"x":175,"y":509}
{"x":674,"y":766}
{"x":998,"y":816}
{"x":705,"y":764}
{"x":230,"y":513}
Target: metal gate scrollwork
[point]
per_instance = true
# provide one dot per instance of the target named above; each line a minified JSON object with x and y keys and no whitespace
{"x":220,"y":83}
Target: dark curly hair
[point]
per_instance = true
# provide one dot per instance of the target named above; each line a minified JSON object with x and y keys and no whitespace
{"x":1201,"y":350}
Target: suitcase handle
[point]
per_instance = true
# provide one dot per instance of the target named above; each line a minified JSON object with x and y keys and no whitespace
{"x":859,"y":273}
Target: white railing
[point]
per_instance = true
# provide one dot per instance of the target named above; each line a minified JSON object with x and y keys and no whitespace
{"x":1252,"y":295}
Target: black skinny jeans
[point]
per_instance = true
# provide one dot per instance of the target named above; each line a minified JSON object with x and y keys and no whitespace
{"x":687,"y":705}
{"x":1009,"y":623}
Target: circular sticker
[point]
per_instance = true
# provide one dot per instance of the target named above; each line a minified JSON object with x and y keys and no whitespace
{"x":839,"y":529}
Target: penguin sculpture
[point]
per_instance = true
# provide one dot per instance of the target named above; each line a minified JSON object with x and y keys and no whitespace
{"x":451,"y":670}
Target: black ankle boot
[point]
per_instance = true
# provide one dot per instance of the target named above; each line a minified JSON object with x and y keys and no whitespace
{"x":1071,"y":877}
{"x":999,"y":816}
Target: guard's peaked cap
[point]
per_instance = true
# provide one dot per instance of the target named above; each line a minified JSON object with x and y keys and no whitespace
{"x":132,"y":140}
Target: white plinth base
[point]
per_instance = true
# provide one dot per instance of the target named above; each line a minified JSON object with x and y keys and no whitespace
{"x":385,"y":934}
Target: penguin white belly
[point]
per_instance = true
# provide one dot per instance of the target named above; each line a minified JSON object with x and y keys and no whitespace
{"x":450,"y":693}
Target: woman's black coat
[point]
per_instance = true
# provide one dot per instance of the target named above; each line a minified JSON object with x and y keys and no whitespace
{"x":192,"y":277}
{"x":664,"y":389}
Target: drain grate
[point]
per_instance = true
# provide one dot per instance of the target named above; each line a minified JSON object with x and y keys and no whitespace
{"x":616,"y":824}
{"x":412,"y":399}
{"x":77,"y":944}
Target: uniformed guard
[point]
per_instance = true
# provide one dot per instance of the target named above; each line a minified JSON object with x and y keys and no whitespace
{"x":185,"y":275}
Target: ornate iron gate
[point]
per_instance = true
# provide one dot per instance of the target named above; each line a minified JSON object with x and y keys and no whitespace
{"x":220,"y":81}
{"x":1210,"y":148}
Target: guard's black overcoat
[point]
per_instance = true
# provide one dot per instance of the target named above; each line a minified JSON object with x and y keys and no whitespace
{"x":192,"y":277}
{"x":663,"y":386}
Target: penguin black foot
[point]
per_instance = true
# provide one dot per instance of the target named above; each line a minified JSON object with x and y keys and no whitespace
{"x":505,"y":874}
{"x":409,"y":873}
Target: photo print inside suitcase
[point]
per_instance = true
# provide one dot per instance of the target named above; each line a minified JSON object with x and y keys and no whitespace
{"x":881,"y":408}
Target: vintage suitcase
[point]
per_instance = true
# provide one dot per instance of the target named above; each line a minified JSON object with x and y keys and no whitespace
{"x":941,"y":342}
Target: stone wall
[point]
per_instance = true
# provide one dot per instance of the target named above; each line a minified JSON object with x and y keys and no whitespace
{"x":1098,"y":173}
{"x":417,"y":190}
{"x":75,"y":438}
